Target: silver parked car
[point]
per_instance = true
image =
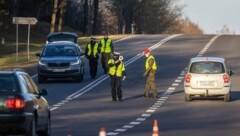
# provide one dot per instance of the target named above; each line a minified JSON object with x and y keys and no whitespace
{"x":208,"y":76}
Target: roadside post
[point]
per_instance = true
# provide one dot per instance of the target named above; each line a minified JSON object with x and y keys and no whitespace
{"x":24,"y":21}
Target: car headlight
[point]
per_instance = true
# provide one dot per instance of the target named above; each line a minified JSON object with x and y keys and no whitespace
{"x":42,"y":63}
{"x":75,"y":63}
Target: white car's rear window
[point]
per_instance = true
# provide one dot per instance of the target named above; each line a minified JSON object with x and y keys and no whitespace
{"x":207,"y":68}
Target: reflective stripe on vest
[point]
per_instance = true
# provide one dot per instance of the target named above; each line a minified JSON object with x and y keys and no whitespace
{"x":95,"y":49}
{"x":154,"y":66}
{"x":106,"y":46}
{"x":116,"y":71}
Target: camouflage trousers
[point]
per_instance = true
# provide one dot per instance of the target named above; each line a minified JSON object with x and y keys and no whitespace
{"x":150,"y":84}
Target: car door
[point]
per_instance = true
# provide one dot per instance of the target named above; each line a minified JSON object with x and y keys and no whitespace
{"x":36,"y":99}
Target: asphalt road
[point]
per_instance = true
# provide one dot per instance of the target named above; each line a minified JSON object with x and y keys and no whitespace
{"x":81,"y":109}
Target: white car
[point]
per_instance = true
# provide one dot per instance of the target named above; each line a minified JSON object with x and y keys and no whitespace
{"x":207,"y":77}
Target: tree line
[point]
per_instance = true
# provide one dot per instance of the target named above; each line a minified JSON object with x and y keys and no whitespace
{"x":92,"y":17}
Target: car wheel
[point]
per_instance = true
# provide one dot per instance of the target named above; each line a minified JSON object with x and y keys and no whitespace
{"x":227,"y":97}
{"x":187,"y":97}
{"x":41,"y":79}
{"x":81,"y":76}
{"x":32,"y":131}
{"x":47,"y":130}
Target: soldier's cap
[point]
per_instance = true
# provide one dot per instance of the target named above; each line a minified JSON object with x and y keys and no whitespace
{"x":105,"y":33}
{"x":116,"y":54}
{"x":146,"y":51}
{"x":93,"y":38}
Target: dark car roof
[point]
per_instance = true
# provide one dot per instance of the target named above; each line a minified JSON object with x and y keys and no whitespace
{"x":58,"y":33}
{"x":62,"y":43}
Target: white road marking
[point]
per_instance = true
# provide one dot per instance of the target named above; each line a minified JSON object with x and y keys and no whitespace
{"x":141,"y":119}
{"x":175,"y":84}
{"x":135,"y":123}
{"x":178,"y":81}
{"x":146,"y":115}
{"x":150,"y":111}
{"x":120,"y":130}
{"x":112,"y":134}
{"x":54,"y":108}
{"x":181,"y":77}
{"x":128,"y":126}
{"x":171,"y":88}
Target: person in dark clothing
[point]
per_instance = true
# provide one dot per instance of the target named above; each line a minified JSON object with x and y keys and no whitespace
{"x":107,"y":49}
{"x":91,"y":52}
{"x":117,"y":74}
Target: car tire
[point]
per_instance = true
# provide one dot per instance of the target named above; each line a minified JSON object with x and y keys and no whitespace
{"x":187,"y":97}
{"x":81,"y":76}
{"x":47,"y":130}
{"x":227,"y":97}
{"x":41,"y":79}
{"x":32,"y":131}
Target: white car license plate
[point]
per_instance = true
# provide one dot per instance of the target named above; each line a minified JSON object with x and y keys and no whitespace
{"x":207,"y":83}
{"x":59,"y":70}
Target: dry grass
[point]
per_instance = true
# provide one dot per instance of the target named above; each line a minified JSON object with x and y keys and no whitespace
{"x":8,"y":62}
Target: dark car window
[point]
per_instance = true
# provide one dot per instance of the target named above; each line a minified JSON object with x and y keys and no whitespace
{"x":50,"y":51}
{"x":26,"y":84}
{"x":35,"y":87}
{"x":207,"y":68}
{"x":7,"y":83}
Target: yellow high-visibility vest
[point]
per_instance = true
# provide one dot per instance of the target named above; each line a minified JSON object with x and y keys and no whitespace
{"x":106,"y":46}
{"x":154,"y":66}
{"x":116,"y":70}
{"x":94,"y":50}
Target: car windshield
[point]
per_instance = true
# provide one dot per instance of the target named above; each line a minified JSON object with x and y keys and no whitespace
{"x":207,"y":68}
{"x":7,"y":84}
{"x":67,"y":50}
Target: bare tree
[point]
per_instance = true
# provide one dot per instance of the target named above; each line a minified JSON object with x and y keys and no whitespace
{"x":62,"y":11}
{"x":95,"y":18}
{"x":54,"y":14}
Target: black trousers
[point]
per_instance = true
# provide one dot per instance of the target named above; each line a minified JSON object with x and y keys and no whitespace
{"x":116,"y":87}
{"x":93,"y":64}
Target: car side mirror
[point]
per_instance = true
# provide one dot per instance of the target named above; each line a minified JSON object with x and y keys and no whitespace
{"x":231,"y":72}
{"x":82,"y":53}
{"x":43,"y":92}
{"x":38,"y":54}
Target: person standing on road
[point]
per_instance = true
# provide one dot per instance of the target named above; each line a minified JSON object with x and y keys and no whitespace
{"x":106,"y":50}
{"x":150,"y":71}
{"x":117,"y":74}
{"x":91,"y":52}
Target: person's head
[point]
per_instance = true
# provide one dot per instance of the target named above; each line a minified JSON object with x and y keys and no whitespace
{"x":116,"y":55}
{"x":93,"y":39}
{"x":105,"y":35}
{"x":146,"y":52}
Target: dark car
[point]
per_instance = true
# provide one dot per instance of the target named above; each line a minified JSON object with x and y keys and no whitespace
{"x":23,"y":109}
{"x":61,"y":60}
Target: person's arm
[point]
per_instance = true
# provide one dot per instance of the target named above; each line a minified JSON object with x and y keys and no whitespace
{"x":86,"y":51}
{"x":150,"y":63}
{"x":124,"y":72}
{"x":111,"y":63}
{"x":111,"y":46}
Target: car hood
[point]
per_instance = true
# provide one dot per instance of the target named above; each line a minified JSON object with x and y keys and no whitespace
{"x":58,"y":59}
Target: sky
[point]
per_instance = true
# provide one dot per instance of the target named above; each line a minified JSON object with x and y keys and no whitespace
{"x":211,"y":15}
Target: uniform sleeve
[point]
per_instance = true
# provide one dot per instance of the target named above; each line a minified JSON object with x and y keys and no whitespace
{"x":111,"y":45}
{"x":150,"y":63}
{"x":123,"y":70}
{"x":86,"y":50}
{"x":110,"y":63}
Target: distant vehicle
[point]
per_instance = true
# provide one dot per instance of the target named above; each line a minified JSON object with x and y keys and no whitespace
{"x":62,"y":36}
{"x":208,"y":76}
{"x":61,"y":60}
{"x":23,"y":109}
